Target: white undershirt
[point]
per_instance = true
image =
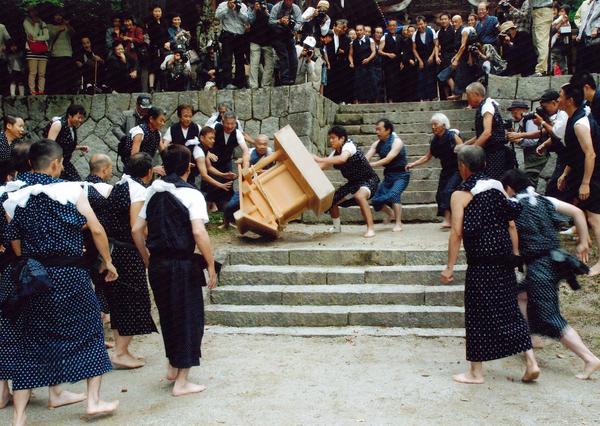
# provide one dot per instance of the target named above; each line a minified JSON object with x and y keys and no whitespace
{"x":488,"y":107}
{"x":167,"y":137}
{"x":137,"y":130}
{"x":348,"y":147}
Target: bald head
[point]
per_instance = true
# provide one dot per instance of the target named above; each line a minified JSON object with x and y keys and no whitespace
{"x":101,"y":166}
{"x":261,"y":143}
{"x":457,"y":21}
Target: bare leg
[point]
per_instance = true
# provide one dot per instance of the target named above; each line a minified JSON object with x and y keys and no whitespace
{"x":171,"y":372}
{"x":390,"y":214}
{"x":95,"y":406}
{"x":522,"y":299}
{"x":594,"y":221}
{"x":4,"y":394}
{"x":572,"y":341}
{"x":183,"y":387}
{"x":472,"y":377}
{"x":151,"y":78}
{"x":532,"y":371}
{"x":447,"y":218}
{"x":57,"y":397}
{"x":20,"y":400}
{"x":362,"y":198}
{"x":398,"y":215}
{"x":122,"y":358}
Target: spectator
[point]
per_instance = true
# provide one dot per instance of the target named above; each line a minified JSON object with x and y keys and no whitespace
{"x":326,"y":40}
{"x":389,"y":49}
{"x":517,"y":50}
{"x":90,"y":67}
{"x":377,"y":68}
{"x":425,"y":49}
{"x":588,"y":55}
{"x":286,"y":20}
{"x":362,"y":53}
{"x":177,"y":35}
{"x":308,"y":71}
{"x":409,"y":68}
{"x":261,"y":51}
{"x":15,"y":62}
{"x":561,"y":41}
{"x":352,"y":34}
{"x":4,"y":38}
{"x":177,"y":70}
{"x":368,"y":31}
{"x":158,"y":36}
{"x":521,"y":17}
{"x":542,"y":21}
{"x":132,"y":118}
{"x":61,"y":69}
{"x":132,"y":38}
{"x":207,"y":28}
{"x":316,"y":21}
{"x":233,"y":17}
{"x":447,"y":48}
{"x":209,"y":69}
{"x":36,"y":48}
{"x":337,"y":54}
{"x":462,"y":75}
{"x":113,"y":33}
{"x":121,"y":70}
{"x":582,"y":12}
{"x":341,"y":9}
{"x":487,"y":27}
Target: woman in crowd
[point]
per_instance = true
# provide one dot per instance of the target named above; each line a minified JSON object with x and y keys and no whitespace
{"x":121,"y":70}
{"x":442,"y":146}
{"x":36,"y":47}
{"x":158,"y":35}
{"x":113,"y":34}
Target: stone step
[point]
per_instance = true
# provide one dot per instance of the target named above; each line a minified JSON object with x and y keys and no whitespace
{"x":409,"y":139}
{"x":334,"y":275}
{"x":410,"y":213}
{"x":337,"y":331}
{"x":402,"y":118}
{"x":421,"y":173}
{"x":420,"y":127}
{"x":350,"y":294}
{"x":335,"y":316}
{"x":334,"y":256}
{"x":402,"y":107}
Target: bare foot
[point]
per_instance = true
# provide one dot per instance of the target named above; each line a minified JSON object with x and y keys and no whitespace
{"x":370,"y":234}
{"x":388,"y":219}
{"x":109,"y":345}
{"x":126,"y":362}
{"x":531,"y":375}
{"x":589,"y":369}
{"x":445,"y":225}
{"x":537,"y":342}
{"x":397,"y":228}
{"x":65,"y":398}
{"x":468,"y":378}
{"x":187,"y":388}
{"x":171,"y":372}
{"x":595,"y":270}
{"x":100,"y":409}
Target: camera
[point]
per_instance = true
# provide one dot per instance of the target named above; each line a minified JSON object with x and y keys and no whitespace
{"x":473,"y":48}
{"x":539,"y":111}
{"x":292,"y":23}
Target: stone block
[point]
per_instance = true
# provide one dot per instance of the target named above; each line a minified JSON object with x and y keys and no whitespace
{"x":102,"y":127}
{"x":225,"y":96}
{"x":269,"y":126}
{"x":37,"y":107}
{"x":207,"y":102}
{"x":532,"y":88}
{"x":300,"y":98}
{"x":558,"y":81}
{"x":83,"y":100}
{"x":16,"y":106}
{"x":116,"y":104}
{"x":242,"y":100}
{"x":267,"y":257}
{"x":189,"y":98}
{"x":261,"y":103}
{"x":280,"y":101}
{"x":200,"y":119}
{"x":283,"y":121}
{"x":111,"y":141}
{"x":167,"y":101}
{"x":86,"y":129}
{"x":218,"y":296}
{"x":502,"y":87}
{"x":301,"y":122}
{"x":96,"y":144}
{"x":80,"y":162}
{"x":98,"y":108}
{"x":348,"y":277}
{"x":252,"y":127}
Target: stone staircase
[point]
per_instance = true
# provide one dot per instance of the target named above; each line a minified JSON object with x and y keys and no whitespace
{"x":411,"y":121}
{"x":334,"y":291}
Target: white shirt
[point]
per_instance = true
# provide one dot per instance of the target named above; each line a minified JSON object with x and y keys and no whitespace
{"x":167,"y":137}
{"x":348,"y":147}
{"x":212,"y":121}
{"x":584,"y":121}
{"x":137,"y":130}
{"x":488,"y":107}
{"x":186,"y":66}
{"x":560,"y":124}
{"x":423,"y":35}
{"x":238,"y":135}
{"x":192,"y":199}
{"x":336,"y":42}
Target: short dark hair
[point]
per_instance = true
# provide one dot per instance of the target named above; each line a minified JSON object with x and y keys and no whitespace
{"x":574,"y":92}
{"x":183,"y":107}
{"x":176,"y":159}
{"x":445,"y":14}
{"x":75,"y":109}
{"x":9,"y":119}
{"x":582,"y":79}
{"x":139,"y":164}
{"x":44,"y":152}
{"x":129,"y":18}
{"x":387,"y":124}
{"x":19,"y":155}
{"x":206,"y":130}
{"x":516,"y":179}
{"x":565,"y":7}
{"x":421,"y":18}
{"x":175,"y":15}
{"x":117,"y":43}
{"x":339,"y":131}
{"x":473,"y":157}
{"x":155,"y":112}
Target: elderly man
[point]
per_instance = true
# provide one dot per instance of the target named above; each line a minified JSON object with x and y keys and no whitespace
{"x":489,"y":131}
{"x":495,"y":327}
{"x":487,"y":27}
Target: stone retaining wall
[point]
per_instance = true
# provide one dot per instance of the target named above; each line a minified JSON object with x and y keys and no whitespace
{"x":263,"y":110}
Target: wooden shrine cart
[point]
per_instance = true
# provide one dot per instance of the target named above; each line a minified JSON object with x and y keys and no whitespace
{"x":271,"y":198}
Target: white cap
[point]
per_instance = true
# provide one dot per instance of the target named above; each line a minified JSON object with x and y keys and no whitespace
{"x":310,"y":42}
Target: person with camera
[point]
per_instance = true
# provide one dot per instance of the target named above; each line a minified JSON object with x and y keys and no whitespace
{"x":286,"y":20}
{"x":261,"y":50}
{"x":233,"y":15}
{"x":517,"y":50}
{"x":307,"y":68}
{"x":362,"y":53}
{"x":177,"y":70}
{"x":316,"y":21}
